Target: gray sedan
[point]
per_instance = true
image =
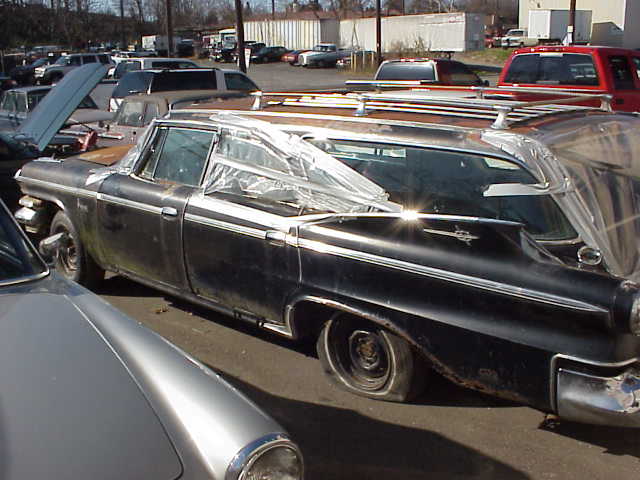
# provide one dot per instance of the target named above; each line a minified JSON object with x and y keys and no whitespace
{"x":89,"y":393}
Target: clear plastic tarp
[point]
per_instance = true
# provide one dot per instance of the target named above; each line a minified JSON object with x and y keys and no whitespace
{"x":591,"y":166}
{"x":257,"y":159}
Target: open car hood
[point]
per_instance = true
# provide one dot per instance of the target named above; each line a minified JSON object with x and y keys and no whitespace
{"x":58,"y":105}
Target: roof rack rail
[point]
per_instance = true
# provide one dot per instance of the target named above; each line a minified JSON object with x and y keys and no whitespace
{"x":503,"y":113}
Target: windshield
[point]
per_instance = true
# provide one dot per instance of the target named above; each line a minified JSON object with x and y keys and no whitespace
{"x":17,"y":257}
{"x":453,"y":183}
{"x":63,"y":60}
{"x":39,"y":62}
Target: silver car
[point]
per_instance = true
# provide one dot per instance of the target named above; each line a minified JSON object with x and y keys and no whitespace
{"x":89,"y":393}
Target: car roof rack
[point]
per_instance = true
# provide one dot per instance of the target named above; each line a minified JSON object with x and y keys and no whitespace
{"x":448,"y":101}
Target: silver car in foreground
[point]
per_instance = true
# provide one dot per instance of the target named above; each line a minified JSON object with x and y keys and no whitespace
{"x":88,"y":393}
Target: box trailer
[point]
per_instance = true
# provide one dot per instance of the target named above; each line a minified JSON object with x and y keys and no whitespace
{"x":551,"y":25}
{"x":159,"y":43}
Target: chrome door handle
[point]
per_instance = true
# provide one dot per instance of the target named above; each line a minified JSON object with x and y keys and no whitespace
{"x":169,"y":212}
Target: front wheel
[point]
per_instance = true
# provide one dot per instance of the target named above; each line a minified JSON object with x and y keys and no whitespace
{"x":72,"y":260}
{"x":369,"y":360}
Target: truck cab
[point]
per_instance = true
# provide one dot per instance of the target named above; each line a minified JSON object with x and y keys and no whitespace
{"x":576,"y":69}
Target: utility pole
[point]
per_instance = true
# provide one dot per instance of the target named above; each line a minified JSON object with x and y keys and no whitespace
{"x":378,"y":34}
{"x":273,"y":9}
{"x":240,"y":37}
{"x":169,"y":29}
{"x":571,"y":28}
{"x":123,"y":40}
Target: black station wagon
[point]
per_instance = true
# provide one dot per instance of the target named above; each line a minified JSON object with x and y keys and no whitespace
{"x":494,"y":242}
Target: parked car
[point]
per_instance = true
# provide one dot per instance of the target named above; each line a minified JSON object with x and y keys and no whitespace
{"x":153,"y":81}
{"x":323,"y":55}
{"x":267,"y":54}
{"x":53,"y":73}
{"x":38,"y":135}
{"x":395,"y":231}
{"x":137,"y":111}
{"x":518,"y":37}
{"x":437,"y":71}
{"x":92,"y":393}
{"x":133,"y":64}
{"x":586,"y":69}
{"x":26,"y":74}
{"x":18,"y":103}
{"x":292,"y":57}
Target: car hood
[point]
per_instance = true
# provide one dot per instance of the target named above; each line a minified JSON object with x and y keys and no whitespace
{"x":58,"y":105}
{"x":68,"y":406}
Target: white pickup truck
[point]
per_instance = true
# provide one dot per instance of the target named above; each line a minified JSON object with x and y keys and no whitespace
{"x":518,"y":37}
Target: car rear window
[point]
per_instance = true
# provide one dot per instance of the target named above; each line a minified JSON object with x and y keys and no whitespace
{"x":553,"y":68}
{"x":172,"y":64}
{"x":187,"y":80}
{"x":124,"y":67}
{"x":621,"y":73}
{"x":406,"y":71}
{"x":132,"y":82}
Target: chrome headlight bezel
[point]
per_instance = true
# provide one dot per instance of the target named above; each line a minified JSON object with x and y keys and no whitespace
{"x":247,"y":457}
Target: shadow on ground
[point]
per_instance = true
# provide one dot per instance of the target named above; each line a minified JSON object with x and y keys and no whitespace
{"x":343,"y":444}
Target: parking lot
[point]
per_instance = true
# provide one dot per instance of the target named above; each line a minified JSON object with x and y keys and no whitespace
{"x":448,"y":433}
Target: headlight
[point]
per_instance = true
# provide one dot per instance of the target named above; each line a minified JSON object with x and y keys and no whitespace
{"x":273,"y":457}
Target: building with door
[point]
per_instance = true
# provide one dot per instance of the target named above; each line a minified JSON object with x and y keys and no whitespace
{"x":612,"y":20}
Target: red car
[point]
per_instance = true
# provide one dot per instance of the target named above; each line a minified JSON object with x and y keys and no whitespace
{"x":576,"y":69}
{"x":292,"y":57}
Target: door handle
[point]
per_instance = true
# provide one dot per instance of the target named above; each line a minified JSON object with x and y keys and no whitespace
{"x":169,"y":212}
{"x":275,"y":237}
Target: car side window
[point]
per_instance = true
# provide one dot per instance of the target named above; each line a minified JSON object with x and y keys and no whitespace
{"x":178,"y":155}
{"x":435,"y":181}
{"x":103,"y":59}
{"x":74,"y":61}
{"x":621,"y":73}
{"x":88,"y":59}
{"x":636,"y":64}
{"x":237,"y":81}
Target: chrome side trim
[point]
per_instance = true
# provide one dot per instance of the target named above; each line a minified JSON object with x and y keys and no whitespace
{"x":56,"y":186}
{"x":26,"y":278}
{"x":245,"y":457}
{"x":231,"y":227}
{"x":475,"y":282}
{"x":129,"y":203}
{"x":554,"y":370}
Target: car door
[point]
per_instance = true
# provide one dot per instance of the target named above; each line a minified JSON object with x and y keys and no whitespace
{"x":235,"y":235}
{"x":140,"y":214}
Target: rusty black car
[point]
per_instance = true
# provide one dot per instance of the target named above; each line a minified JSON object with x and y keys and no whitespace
{"x":491,"y":241}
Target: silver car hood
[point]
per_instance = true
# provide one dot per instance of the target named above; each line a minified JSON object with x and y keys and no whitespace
{"x":57,"y":106}
{"x":68,"y":406}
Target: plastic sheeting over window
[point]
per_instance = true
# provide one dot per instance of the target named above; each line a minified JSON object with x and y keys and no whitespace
{"x":592,"y":166}
{"x":257,"y":159}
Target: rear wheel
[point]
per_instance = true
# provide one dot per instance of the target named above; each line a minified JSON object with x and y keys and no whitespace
{"x":72,"y":260}
{"x":369,"y":360}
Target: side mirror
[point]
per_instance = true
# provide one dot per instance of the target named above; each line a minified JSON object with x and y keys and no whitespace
{"x":49,"y":246}
{"x":589,"y":256}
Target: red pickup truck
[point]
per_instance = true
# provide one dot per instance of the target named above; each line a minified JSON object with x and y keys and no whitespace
{"x":576,"y":69}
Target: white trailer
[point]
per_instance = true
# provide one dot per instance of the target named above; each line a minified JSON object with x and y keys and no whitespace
{"x":551,"y":25}
{"x":439,"y":32}
{"x":293,"y":34}
{"x":159,"y":43}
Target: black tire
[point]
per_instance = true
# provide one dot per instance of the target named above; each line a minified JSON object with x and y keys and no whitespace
{"x":73,"y":261}
{"x":369,"y":360}
{"x":521,"y":44}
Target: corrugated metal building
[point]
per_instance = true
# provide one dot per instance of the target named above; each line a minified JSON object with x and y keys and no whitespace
{"x":612,"y":20}
{"x":453,"y":32}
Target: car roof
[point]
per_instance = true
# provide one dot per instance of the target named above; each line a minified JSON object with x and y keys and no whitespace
{"x":457,"y":110}
{"x":172,"y":70}
{"x":174,"y":96}
{"x":575,"y":49}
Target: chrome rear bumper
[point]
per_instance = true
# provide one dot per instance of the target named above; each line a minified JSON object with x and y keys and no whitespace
{"x":586,"y":398}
